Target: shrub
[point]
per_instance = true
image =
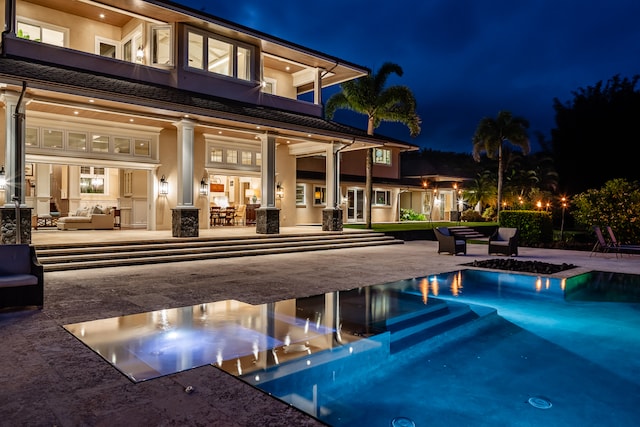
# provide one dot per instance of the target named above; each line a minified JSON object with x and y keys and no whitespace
{"x":616,"y":204}
{"x":410,"y":215}
{"x":535,"y":228}
{"x":471,"y":215}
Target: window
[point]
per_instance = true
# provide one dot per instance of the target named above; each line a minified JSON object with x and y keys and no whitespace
{"x":382,"y":156}
{"x":108,"y":49}
{"x":196,"y":50}
{"x":247,"y":158}
{"x":132,"y":47}
{"x":77,"y":141}
{"x":216,"y":155}
{"x":161,"y":53}
{"x":52,"y":139}
{"x":219,"y":55}
{"x":382,"y":197}
{"x":142,"y":148}
{"x":258,"y":159}
{"x":232,"y":156}
{"x":100,"y":144}
{"x":319,"y":195}
{"x":31,"y":138}
{"x":300,"y":194}
{"x":121,"y":145}
{"x":92,"y":180}
{"x":41,"y":32}
{"x":269,"y":85}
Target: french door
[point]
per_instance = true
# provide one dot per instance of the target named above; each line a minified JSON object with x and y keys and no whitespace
{"x":355,"y":207}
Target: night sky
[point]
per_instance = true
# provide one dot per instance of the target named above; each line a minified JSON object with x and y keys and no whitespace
{"x":463,"y":60}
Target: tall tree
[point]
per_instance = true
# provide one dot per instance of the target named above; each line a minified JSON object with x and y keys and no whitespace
{"x":368,"y":95}
{"x":604,"y":116}
{"x":492,"y":134}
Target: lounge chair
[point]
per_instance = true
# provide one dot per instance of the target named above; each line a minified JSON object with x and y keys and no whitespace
{"x":621,"y":248}
{"x":504,"y":241}
{"x":601,"y":244}
{"x":449,"y":243}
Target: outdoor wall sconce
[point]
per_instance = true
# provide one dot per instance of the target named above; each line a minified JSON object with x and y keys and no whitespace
{"x":164,"y":186}
{"x":204,"y":187}
{"x":3,"y":178}
{"x":279,"y":191}
{"x":140,"y":54}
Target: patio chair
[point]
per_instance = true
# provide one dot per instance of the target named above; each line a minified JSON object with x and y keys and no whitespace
{"x":601,"y":244}
{"x":449,"y":243}
{"x":504,"y":241}
{"x":621,"y":248}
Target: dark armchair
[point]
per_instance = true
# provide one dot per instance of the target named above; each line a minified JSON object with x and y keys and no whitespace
{"x":21,"y":277}
{"x":504,"y":241}
{"x":449,"y":243}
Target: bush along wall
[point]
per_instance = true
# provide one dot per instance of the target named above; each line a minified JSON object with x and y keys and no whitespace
{"x":535,"y":228}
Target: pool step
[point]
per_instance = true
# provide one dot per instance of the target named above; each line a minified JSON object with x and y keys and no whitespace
{"x":114,"y":254}
{"x":436,"y":318}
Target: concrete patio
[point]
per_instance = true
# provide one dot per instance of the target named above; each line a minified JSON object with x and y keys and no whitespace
{"x":50,"y":378}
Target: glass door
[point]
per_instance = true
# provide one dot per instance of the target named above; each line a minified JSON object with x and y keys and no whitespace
{"x":355,"y":207}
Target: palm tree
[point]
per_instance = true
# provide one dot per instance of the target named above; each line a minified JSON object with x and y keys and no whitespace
{"x":490,"y":136}
{"x":367,"y":95}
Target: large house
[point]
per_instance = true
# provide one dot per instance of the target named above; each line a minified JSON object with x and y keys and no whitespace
{"x":161,"y":112}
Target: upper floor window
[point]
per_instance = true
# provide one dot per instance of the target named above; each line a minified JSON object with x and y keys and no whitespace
{"x":161,"y":52}
{"x":42,"y":32}
{"x":218,"y":55}
{"x":382,"y":156}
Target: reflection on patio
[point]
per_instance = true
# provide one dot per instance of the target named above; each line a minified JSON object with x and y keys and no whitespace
{"x":241,"y":338}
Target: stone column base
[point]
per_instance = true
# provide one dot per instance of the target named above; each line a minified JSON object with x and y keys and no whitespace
{"x":268,"y":221}
{"x":184,"y":222}
{"x":8,"y":225}
{"x":331,"y":219}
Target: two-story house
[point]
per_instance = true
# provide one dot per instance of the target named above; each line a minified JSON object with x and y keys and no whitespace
{"x":163,"y":111}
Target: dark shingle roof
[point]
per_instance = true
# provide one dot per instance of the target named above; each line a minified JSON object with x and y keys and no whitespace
{"x":55,"y":77}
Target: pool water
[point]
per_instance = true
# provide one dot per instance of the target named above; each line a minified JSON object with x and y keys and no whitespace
{"x":467,"y":347}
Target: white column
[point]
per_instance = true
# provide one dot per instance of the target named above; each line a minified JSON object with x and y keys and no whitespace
{"x":330,"y":176}
{"x":268,"y":170}
{"x":186,"y":130}
{"x":14,"y":166}
{"x":43,"y":188}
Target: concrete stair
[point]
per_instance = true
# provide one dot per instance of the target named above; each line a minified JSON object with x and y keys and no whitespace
{"x":73,"y":256}
{"x":467,"y":233}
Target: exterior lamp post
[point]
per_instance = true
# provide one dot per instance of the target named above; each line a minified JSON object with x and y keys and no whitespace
{"x":564,"y":206}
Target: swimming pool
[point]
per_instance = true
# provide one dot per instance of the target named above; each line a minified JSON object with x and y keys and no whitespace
{"x":467,"y":347}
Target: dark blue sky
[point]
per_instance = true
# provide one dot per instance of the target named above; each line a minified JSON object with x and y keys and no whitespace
{"x":463,"y":60}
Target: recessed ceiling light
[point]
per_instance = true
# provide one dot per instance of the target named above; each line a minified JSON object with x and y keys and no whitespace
{"x":102,"y":16}
{"x":91,"y":101}
{"x":131,"y":120}
{"x":76,"y":113}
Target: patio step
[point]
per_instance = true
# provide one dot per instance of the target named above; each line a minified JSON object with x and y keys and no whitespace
{"x":73,"y":256}
{"x":467,"y":233}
